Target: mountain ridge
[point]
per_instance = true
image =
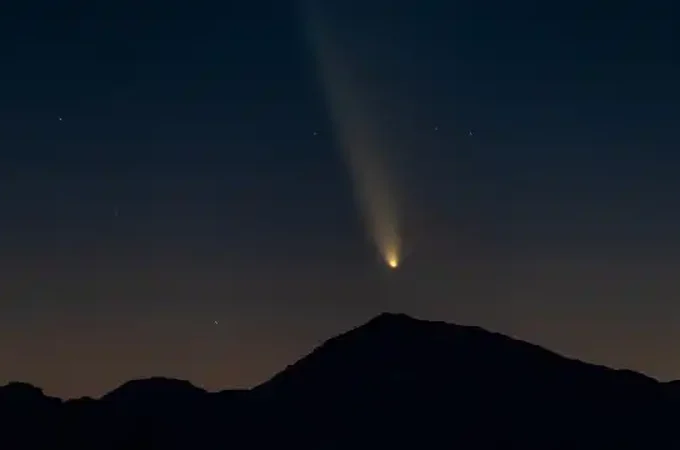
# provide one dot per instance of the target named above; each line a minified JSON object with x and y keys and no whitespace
{"x":394,"y":381}
{"x":389,"y":318}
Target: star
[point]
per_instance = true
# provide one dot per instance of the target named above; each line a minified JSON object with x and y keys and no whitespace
{"x":315,"y":133}
{"x":436,"y":128}
{"x":216,"y":322}
{"x":60,"y":119}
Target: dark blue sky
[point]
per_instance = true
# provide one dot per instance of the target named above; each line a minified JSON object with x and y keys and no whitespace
{"x":195,"y":177}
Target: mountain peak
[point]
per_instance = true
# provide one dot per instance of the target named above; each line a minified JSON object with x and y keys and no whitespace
{"x":22,"y":388}
{"x":401,"y":351}
{"x":17,"y":391}
{"x":153,"y":388}
{"x":391,"y":319}
{"x":395,"y":344}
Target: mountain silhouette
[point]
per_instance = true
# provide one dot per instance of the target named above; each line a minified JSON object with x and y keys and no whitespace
{"x":394,"y":382}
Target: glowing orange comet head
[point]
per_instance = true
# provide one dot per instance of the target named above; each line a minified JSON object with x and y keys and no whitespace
{"x":392,"y":258}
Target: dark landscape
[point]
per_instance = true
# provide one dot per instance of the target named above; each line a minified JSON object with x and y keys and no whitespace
{"x":394,"y":382}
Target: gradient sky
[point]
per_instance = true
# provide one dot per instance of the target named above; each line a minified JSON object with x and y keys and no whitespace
{"x":194,"y":178}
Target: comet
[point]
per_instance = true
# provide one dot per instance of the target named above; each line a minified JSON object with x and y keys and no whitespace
{"x":362,"y":141}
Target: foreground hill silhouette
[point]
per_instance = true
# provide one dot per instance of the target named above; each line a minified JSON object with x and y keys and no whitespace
{"x":394,"y":382}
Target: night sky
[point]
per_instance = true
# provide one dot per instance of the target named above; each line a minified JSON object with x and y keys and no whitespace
{"x":174,"y":199}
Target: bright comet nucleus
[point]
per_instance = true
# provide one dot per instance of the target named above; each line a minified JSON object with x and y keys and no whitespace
{"x":391,"y":256}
